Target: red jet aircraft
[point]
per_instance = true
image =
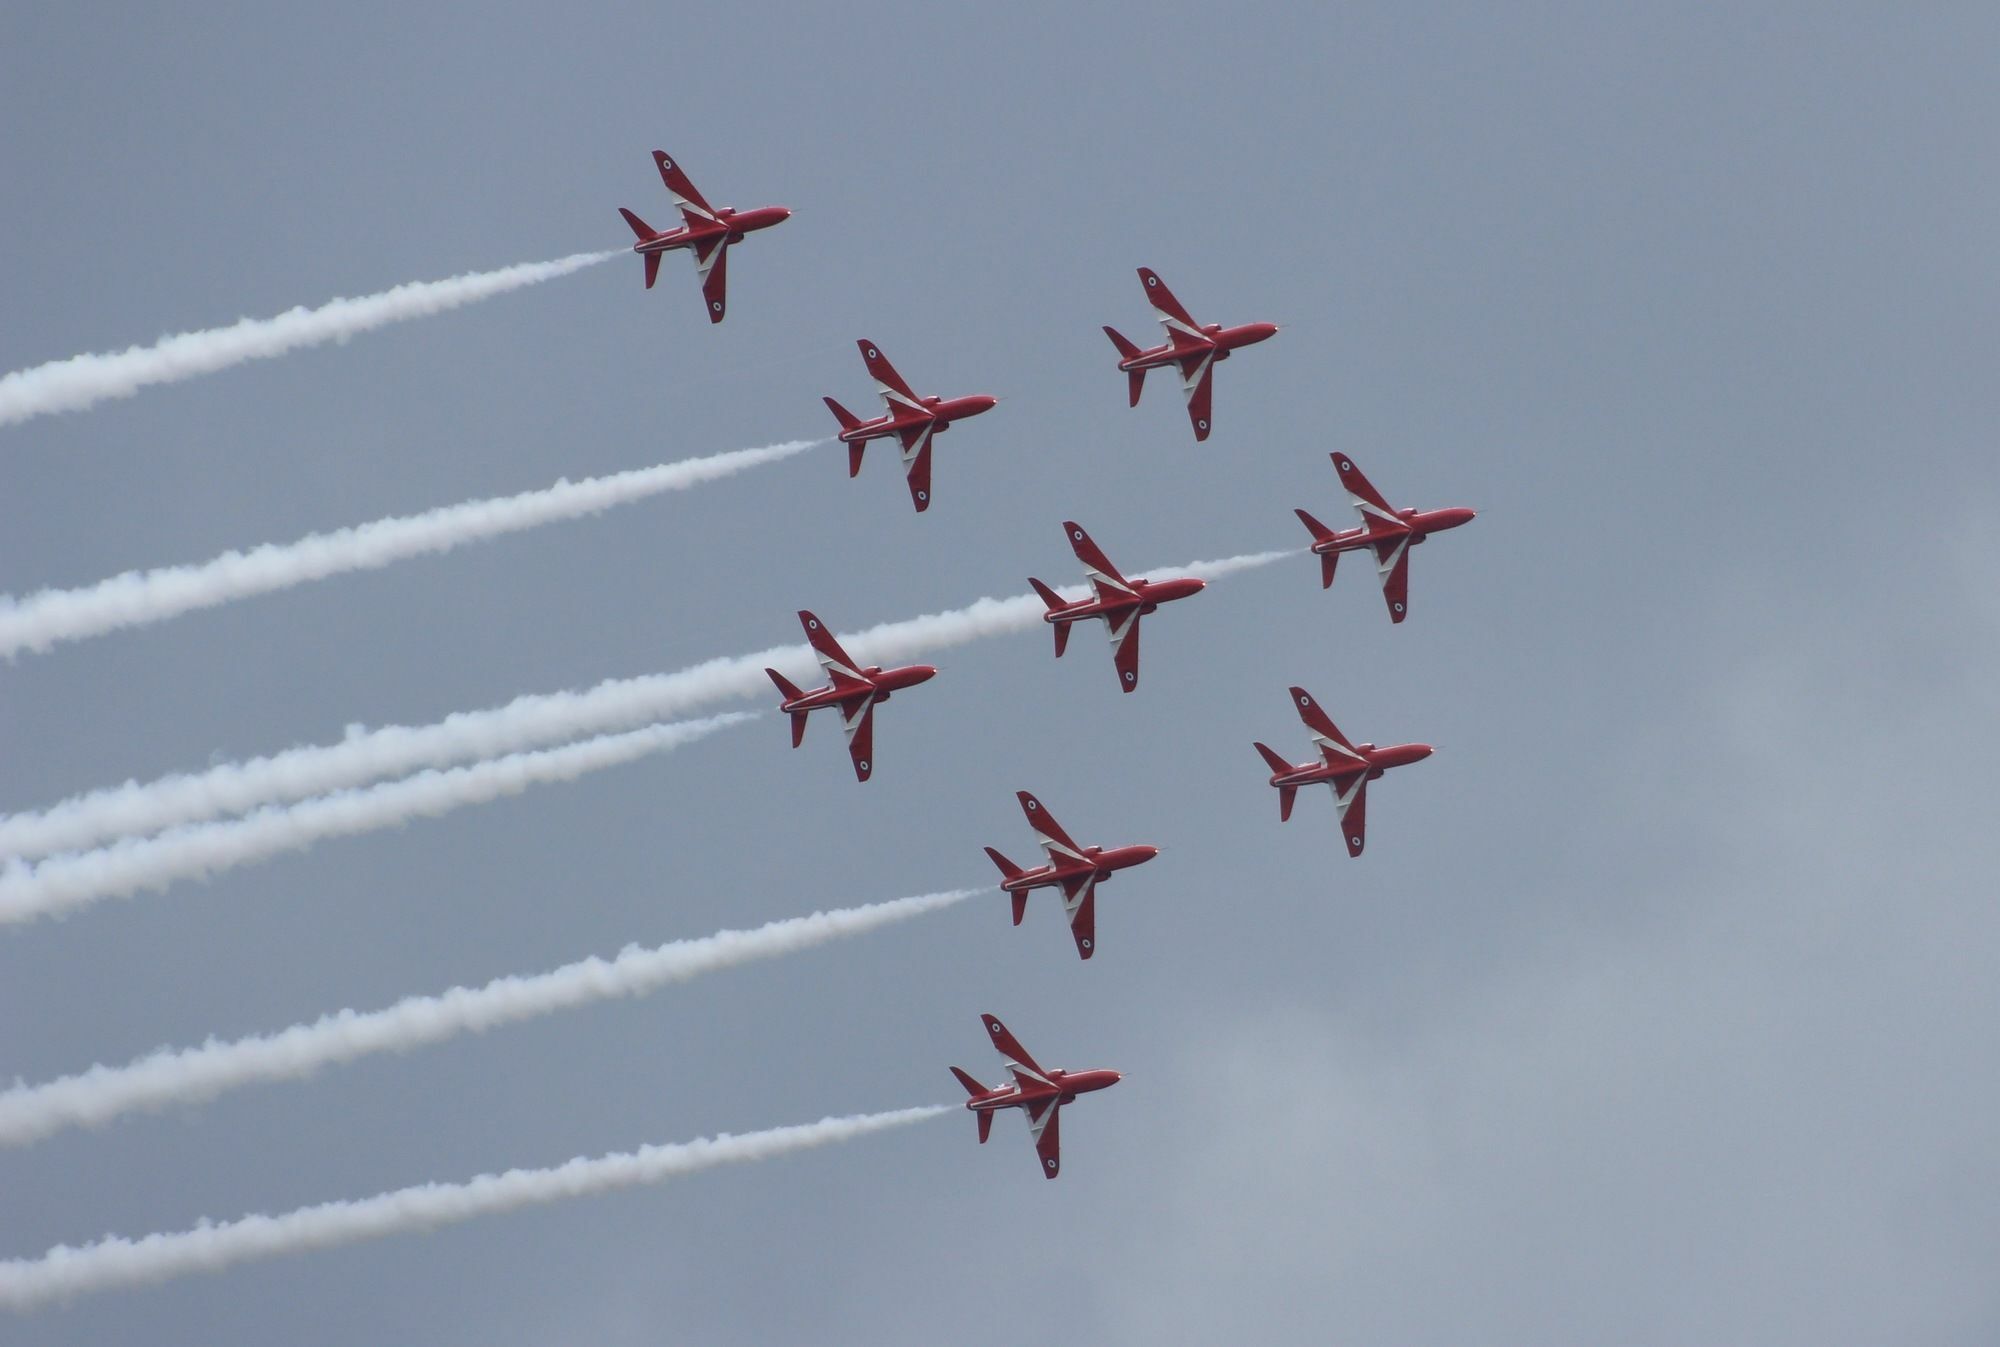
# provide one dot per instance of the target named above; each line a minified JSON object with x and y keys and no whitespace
{"x":1073,"y":869}
{"x":1387,"y":532}
{"x":853,"y":689}
{"x":1190,"y":347}
{"x":1039,"y":1094}
{"x":909,"y":418}
{"x":1120,"y":602}
{"x":705,"y":232}
{"x":1347,"y":768}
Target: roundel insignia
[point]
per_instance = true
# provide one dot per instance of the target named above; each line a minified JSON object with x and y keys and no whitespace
{"x":1355,"y":840}
{"x":1346,"y":465}
{"x":1305,"y":701}
{"x":1076,"y":534}
{"x":716,"y":305}
{"x":1086,"y":944}
{"x":1152,"y":280}
{"x":1033,"y":803}
{"x":873,"y":353}
{"x":1050,"y":1163}
{"x":863,"y":764}
{"x":1129,"y":675}
{"x":813,"y":624}
{"x":994,"y":1028}
{"x":666,"y":162}
{"x":1202,"y":424}
{"x":1399,"y":607}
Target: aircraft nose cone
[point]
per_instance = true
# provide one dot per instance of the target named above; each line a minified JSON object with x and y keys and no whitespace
{"x":1418,"y":752}
{"x":922,"y":673}
{"x":1147,"y":853}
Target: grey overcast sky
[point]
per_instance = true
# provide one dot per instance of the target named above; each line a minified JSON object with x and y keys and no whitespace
{"x":1661,"y":1008}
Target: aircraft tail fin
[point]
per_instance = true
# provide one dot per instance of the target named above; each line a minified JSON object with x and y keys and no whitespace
{"x":1008,"y":870}
{"x":848,"y":421}
{"x":1135,"y":379}
{"x":1020,"y":906}
{"x":974,"y":1089}
{"x":645,"y":231}
{"x":1054,"y":603}
{"x":1286,"y":794}
{"x":791,"y":693}
{"x":1319,"y":531}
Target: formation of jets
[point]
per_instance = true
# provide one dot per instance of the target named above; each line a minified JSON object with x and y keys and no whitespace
{"x":1192,"y":350}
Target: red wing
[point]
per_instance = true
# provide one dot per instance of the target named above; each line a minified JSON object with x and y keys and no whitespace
{"x":1366,"y":498}
{"x":715,"y":279}
{"x":1054,"y":840}
{"x":1125,"y":647}
{"x":1392,"y":564}
{"x":1102,"y":574}
{"x":1332,"y":742}
{"x":1027,"y":1074}
{"x":1198,"y":382}
{"x":842,"y":669}
{"x":860,"y":724}
{"x":1080,"y":902}
{"x":917,"y":465}
{"x":1181,"y":329}
{"x":886,"y":379}
{"x":1046,"y":1127}
{"x":693,"y":207}
{"x":1353,"y":805}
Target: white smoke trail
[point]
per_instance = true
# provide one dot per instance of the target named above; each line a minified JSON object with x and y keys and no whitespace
{"x":543,"y":718}
{"x":193,"y":1075}
{"x":83,"y":380}
{"x":136,"y":598}
{"x":71,"y":880}
{"x":114,"y":1261}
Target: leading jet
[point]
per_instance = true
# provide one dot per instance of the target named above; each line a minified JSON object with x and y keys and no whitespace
{"x":853,"y":690}
{"x":1389,"y":533}
{"x":706,"y":232}
{"x":1344,"y":766}
{"x":1073,"y":869}
{"x":1120,"y":602}
{"x":1037,"y":1093}
{"x":911,"y":420}
{"x":1191,"y":347}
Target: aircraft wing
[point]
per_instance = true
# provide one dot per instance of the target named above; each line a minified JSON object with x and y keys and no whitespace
{"x":1124,"y":632}
{"x":713,"y":266}
{"x":1045,"y":1125}
{"x":1097,"y":567}
{"x":844,"y":672}
{"x":1367,"y":500}
{"x":917,"y":461}
{"x":1027,"y":1074}
{"x":1334,"y":745}
{"x":1047,"y":831}
{"x":888,"y":383}
{"x":1198,"y":382}
{"x":859,"y":722}
{"x":1080,"y":903}
{"x":1392,"y":564}
{"x":693,"y":209}
{"x":1182,"y":331}
{"x":1353,"y":805}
